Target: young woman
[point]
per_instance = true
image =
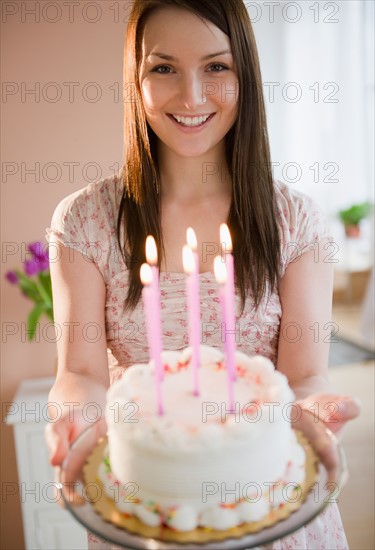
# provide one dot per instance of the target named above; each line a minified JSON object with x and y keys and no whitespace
{"x":196,"y":154}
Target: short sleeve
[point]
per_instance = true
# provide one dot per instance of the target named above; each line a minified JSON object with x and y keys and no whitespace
{"x":302,"y":223}
{"x":86,"y":221}
{"x":70,"y":223}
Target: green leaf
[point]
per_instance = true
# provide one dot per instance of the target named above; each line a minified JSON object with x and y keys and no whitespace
{"x":33,"y":319}
{"x":45,"y":280}
{"x":49,"y":313}
{"x":44,"y":288}
{"x":28,"y":286}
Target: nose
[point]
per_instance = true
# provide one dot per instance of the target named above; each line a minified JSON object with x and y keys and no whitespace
{"x":191,"y":91}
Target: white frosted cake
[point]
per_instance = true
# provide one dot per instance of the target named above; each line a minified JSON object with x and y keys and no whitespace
{"x":197,"y":465}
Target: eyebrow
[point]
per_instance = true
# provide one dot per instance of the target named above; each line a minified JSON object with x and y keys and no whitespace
{"x":171,"y":58}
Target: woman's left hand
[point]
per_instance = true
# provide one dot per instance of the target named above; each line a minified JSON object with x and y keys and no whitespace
{"x":335,"y":410}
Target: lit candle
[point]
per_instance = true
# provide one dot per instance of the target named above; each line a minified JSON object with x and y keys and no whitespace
{"x":222,"y":278}
{"x":152,"y":260}
{"x":226,"y":243}
{"x":230,"y":325}
{"x":152,"y":321}
{"x":192,"y":291}
{"x":191,"y":239}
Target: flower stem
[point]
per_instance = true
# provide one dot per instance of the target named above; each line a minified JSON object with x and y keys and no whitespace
{"x":47,"y":300}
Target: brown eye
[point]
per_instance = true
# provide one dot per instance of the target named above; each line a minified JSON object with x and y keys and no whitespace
{"x":218,"y":67}
{"x":161,"y":69}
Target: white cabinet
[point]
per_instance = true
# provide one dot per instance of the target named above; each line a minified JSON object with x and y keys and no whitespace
{"x":45,"y":524}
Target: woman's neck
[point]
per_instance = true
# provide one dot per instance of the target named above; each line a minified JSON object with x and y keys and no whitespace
{"x":192,"y":179}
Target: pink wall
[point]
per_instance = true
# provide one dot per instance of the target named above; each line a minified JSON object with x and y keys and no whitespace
{"x":81,"y":47}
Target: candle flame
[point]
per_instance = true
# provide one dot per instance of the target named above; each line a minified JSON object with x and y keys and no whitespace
{"x":151,"y":251}
{"x":146,"y":274}
{"x":191,"y":239}
{"x":220,"y":270}
{"x":225,"y":238}
{"x":188,"y":259}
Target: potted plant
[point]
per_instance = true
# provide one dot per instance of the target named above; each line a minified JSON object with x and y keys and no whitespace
{"x":352,"y":216}
{"x":35,"y":284}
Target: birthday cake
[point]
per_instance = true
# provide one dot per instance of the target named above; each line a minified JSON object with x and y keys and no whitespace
{"x":198,"y":465}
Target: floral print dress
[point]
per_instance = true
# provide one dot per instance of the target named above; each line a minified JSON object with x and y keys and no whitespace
{"x":86,"y":222}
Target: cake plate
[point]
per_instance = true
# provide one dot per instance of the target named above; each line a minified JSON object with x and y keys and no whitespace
{"x":332,"y":475}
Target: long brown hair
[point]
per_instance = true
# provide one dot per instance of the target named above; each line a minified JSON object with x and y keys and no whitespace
{"x":252,"y":215}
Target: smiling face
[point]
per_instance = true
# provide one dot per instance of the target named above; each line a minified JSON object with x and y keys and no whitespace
{"x":189,"y":86}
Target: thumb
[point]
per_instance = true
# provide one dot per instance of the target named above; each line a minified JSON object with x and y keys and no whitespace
{"x":349,"y":408}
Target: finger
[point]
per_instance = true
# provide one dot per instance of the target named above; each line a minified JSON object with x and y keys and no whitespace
{"x":350,"y":408}
{"x":344,"y":407}
{"x":50,"y":438}
{"x":335,"y":426}
{"x":347,"y":409}
{"x":57,"y":437}
{"x":58,"y":486}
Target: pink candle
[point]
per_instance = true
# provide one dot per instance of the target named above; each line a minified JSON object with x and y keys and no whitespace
{"x":148,"y":297}
{"x":226,"y":243}
{"x":190,"y":261}
{"x":152,"y":260}
{"x":230,"y":324}
{"x":222,"y":277}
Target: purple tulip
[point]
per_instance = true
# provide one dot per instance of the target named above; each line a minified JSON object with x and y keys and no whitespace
{"x":12,"y":277}
{"x":44,"y":264}
{"x":44,"y":255}
{"x":38,"y":249}
{"x":40,"y":261}
{"x":35,"y":247}
{"x":31,"y":267}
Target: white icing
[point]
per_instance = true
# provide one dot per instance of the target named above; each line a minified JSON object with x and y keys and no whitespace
{"x":219,"y":518}
{"x":254,"y":510}
{"x":184,"y":518}
{"x":277,"y":494}
{"x":207,"y":354}
{"x":147,"y":516}
{"x":197,"y":456}
{"x":126,"y":507}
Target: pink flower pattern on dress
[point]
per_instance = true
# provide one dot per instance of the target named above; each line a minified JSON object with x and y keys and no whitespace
{"x":86,"y":221}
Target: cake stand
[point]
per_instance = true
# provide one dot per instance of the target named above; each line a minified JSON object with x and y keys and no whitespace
{"x":332,"y":475}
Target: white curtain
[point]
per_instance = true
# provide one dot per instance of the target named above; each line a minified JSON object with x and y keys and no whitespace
{"x":317,"y":57}
{"x":317,"y":62}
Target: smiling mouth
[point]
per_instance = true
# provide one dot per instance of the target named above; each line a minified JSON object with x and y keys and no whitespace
{"x":192,"y":122}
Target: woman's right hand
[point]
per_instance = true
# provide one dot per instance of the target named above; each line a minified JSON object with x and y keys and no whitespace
{"x":60,"y":434}
{"x":76,"y":403}
{"x":59,"y":437}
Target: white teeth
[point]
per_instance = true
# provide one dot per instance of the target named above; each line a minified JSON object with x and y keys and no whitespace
{"x":191,"y":121}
